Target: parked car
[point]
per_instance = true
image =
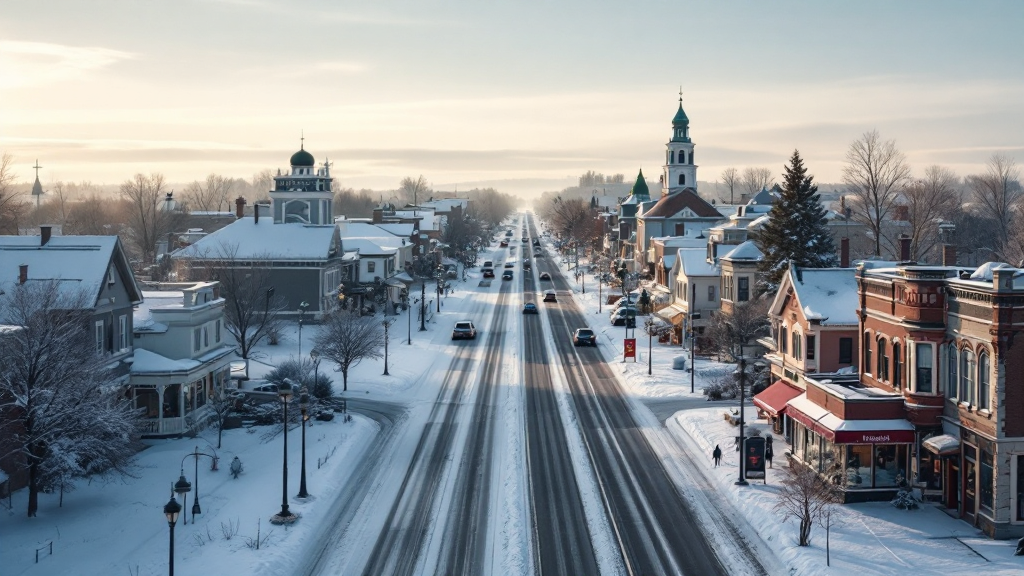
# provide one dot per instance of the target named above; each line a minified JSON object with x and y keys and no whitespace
{"x":550,"y":296}
{"x":536,"y":242}
{"x":525,"y":239}
{"x":506,"y":275}
{"x":526,"y":264}
{"x":624,"y":316}
{"x":529,"y":308}
{"x":464,"y":330}
{"x":272,"y":388}
{"x":488,"y":264}
{"x":504,"y":243}
{"x":584,"y":337}
{"x":488,"y":272}
{"x":510,"y":264}
{"x":545,"y":276}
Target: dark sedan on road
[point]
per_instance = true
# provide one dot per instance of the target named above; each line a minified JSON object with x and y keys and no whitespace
{"x":506,"y":275}
{"x":550,"y":296}
{"x":584,"y":337}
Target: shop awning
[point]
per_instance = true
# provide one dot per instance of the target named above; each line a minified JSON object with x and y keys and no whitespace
{"x":943,"y":445}
{"x":839,"y":431}
{"x":773,"y":398}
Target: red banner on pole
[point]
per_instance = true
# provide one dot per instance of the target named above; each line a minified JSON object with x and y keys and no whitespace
{"x":629,"y":348}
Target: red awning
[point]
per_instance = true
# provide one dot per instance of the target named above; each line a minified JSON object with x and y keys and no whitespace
{"x":839,"y":431}
{"x":773,"y":398}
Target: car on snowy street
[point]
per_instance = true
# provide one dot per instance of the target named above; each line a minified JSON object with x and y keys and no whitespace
{"x":545,"y":276}
{"x":584,"y":337}
{"x":550,"y":296}
{"x":529,"y":308}
{"x":464,"y":330}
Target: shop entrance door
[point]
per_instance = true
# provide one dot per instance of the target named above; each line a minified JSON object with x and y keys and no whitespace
{"x":951,"y":486}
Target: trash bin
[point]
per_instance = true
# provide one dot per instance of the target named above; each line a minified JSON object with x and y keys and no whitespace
{"x":679,"y":363}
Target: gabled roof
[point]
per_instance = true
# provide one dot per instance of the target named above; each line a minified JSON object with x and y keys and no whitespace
{"x":670,"y":206}
{"x":76,"y":262}
{"x":367,"y":247}
{"x":828,"y":295}
{"x":765,"y":197}
{"x":694,"y":262}
{"x":745,"y":251}
{"x":247,"y":239}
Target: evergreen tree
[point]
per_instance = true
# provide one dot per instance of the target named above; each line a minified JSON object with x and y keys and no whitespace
{"x":796,"y":229}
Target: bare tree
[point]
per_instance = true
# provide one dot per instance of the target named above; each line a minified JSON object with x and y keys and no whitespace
{"x":930,"y":200}
{"x":875,"y":175}
{"x":94,"y":216}
{"x":413,"y":191}
{"x":354,"y":204}
{"x":63,"y":407}
{"x":146,"y":221}
{"x":731,"y":178}
{"x":755,"y":179}
{"x":727,"y":334}
{"x":209,"y":195}
{"x":807,"y":497}
{"x":221,"y":402}
{"x":12,"y":206}
{"x":999,"y":196}
{"x":346,"y":338}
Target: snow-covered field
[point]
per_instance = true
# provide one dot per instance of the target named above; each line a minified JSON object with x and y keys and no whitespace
{"x":118,"y":527}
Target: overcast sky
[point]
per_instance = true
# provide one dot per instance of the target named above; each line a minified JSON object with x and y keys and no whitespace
{"x":468,"y":91}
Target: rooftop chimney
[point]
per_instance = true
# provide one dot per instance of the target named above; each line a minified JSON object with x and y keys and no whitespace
{"x":904,"y":248}
{"x":378,"y":215}
{"x":44,"y":234}
{"x":239,"y":207}
{"x":256,"y":213}
{"x":22,"y":273}
{"x":948,"y":255}
{"x":844,"y":252}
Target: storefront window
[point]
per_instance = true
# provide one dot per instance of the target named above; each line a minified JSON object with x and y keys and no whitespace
{"x":813,"y":448}
{"x":967,"y":376}
{"x":986,"y":478}
{"x":923,"y":358}
{"x":890,"y":465}
{"x":1019,"y":516}
{"x":858,"y":466}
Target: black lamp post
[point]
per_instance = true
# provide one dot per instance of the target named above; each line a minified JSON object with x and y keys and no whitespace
{"x":423,"y":305}
{"x":440,"y":279}
{"x":303,"y":306}
{"x":387,"y":324}
{"x":743,"y":385}
{"x":182,"y":487}
{"x":304,"y":406}
{"x":196,"y":510}
{"x":171,"y":511}
{"x":284,"y":516}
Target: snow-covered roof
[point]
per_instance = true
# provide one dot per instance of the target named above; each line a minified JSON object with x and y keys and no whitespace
{"x":668,"y":260}
{"x":694,"y":262}
{"x":401,"y":230}
{"x":146,"y":362}
{"x":142,"y":317}
{"x":76,"y":262}
{"x":351,"y":229}
{"x":745,"y":251}
{"x":367,"y":247}
{"x":247,"y":239}
{"x":984,"y":272}
{"x":827,"y":294}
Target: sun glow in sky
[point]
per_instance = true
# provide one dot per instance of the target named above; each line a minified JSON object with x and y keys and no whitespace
{"x":520,"y":95}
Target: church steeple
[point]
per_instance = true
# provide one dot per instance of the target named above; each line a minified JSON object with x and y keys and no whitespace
{"x":679,"y":170}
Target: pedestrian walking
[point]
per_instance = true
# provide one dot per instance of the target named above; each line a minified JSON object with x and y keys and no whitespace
{"x":768,"y":454}
{"x":717,"y":455}
{"x":236,"y":467}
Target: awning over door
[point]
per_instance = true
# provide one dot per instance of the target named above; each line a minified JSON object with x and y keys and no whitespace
{"x":839,"y":431}
{"x":672,"y":314}
{"x":773,"y":398}
{"x":943,"y":445}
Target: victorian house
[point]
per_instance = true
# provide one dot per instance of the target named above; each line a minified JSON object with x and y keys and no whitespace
{"x":182,"y":357}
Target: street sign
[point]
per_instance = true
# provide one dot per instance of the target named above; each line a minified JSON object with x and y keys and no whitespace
{"x":753,"y":457}
{"x":629,"y":348}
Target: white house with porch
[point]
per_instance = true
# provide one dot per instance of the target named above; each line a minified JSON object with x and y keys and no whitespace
{"x":182,"y":357}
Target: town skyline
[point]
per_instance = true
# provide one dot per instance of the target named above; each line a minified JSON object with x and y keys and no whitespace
{"x":530,"y":96}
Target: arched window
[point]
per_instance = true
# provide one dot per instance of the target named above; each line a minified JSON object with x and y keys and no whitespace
{"x":951,"y":379}
{"x":983,"y":389}
{"x":672,"y":157}
{"x":682,"y":179}
{"x":883,"y":362}
{"x":897,"y":365}
{"x":967,"y":368}
{"x":867,"y":352}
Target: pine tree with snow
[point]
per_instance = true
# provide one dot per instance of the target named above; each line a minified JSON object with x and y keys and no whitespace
{"x":796,"y":228}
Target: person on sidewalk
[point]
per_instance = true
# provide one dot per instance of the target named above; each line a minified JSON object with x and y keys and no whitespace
{"x":768,"y":454}
{"x":717,"y":455}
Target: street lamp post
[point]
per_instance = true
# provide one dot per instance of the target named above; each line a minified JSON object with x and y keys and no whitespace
{"x":196,"y":510}
{"x":743,"y":385}
{"x":303,"y":306}
{"x":284,"y":516}
{"x":649,"y":327}
{"x":694,"y":315}
{"x":387,"y":324}
{"x":423,"y":305}
{"x":171,"y":511}
{"x":182,"y":487}
{"x":304,"y":406}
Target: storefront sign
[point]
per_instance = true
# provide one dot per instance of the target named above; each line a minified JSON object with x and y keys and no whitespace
{"x":629,"y":348}
{"x":753,"y":456}
{"x":875,"y":437}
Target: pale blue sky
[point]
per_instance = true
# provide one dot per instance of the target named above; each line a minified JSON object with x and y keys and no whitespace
{"x":472,"y":91}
